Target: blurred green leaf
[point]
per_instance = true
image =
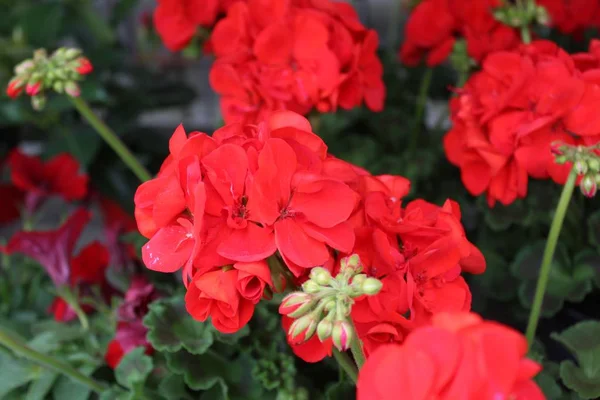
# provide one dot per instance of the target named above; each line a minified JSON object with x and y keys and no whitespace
{"x":341,"y":391}
{"x":173,"y":388}
{"x":171,"y":328}
{"x":594,"y":229}
{"x":41,"y":386}
{"x":134,"y":368}
{"x":15,"y":373}
{"x":590,"y":259}
{"x":67,"y":389}
{"x":583,"y":340}
{"x":42,"y":22}
{"x":200,"y":372}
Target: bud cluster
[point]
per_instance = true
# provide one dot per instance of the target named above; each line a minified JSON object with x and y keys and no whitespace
{"x":521,"y":14}
{"x":324,"y":304}
{"x":59,"y":72}
{"x":586,"y":162}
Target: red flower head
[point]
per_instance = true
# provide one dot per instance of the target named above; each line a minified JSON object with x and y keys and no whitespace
{"x":11,"y":198}
{"x":221,"y":205}
{"x":458,"y":356}
{"x":131,"y":333}
{"x":117,"y":223}
{"x":572,"y":16}
{"x":177,"y":21}
{"x":85,"y":66}
{"x":14,"y":88}
{"x":471,"y":20}
{"x":59,"y":176}
{"x":508,"y":115}
{"x":294,"y":55}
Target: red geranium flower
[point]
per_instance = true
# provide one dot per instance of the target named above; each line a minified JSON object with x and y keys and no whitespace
{"x":508,"y":115}
{"x":59,"y":176}
{"x":458,"y":356}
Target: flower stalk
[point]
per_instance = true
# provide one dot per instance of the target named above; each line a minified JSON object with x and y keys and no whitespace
{"x":21,"y":349}
{"x":111,"y":139}
{"x":555,"y":228}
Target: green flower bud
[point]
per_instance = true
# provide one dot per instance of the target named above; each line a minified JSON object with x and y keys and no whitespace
{"x":594,"y":164}
{"x":342,"y":335}
{"x":321,"y":276}
{"x":371,"y":286}
{"x":324,"y":329}
{"x":311,"y":287}
{"x":588,"y":186}
{"x":359,"y":279}
{"x":306,"y":324}
{"x":560,"y":159}
{"x":581,"y":167}
{"x":38,"y":102}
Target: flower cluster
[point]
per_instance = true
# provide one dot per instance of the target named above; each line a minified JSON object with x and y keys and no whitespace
{"x":295,"y":55}
{"x":58,"y":72}
{"x":177,"y":21}
{"x":222,"y":205}
{"x":253,"y":204}
{"x":472,"y":20}
{"x":131,"y":333}
{"x":459,"y":356}
{"x":572,"y":17}
{"x":418,"y":251}
{"x":507,"y":116}
{"x":58,"y":176}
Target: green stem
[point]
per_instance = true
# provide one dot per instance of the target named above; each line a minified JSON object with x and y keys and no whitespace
{"x":111,"y":139}
{"x":346,"y":363}
{"x":557,"y":222}
{"x":69,"y":297}
{"x":525,"y":35}
{"x":356,"y":347}
{"x":420,"y":110}
{"x":21,"y":349}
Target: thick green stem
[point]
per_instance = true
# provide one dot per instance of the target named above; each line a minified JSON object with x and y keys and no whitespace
{"x":21,"y":349}
{"x":347,"y":364}
{"x":557,"y":222}
{"x":525,"y":35}
{"x":69,"y":297}
{"x":420,"y":110}
{"x":356,"y":347}
{"x":111,"y":139}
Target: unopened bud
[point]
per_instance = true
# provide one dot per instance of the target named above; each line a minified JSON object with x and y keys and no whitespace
{"x":72,"y":89}
{"x":556,"y":148}
{"x":38,"y":102}
{"x":541,"y":16}
{"x":311,"y":287}
{"x":359,"y":279}
{"x":321,"y":276}
{"x":594,"y":164}
{"x":581,"y":167}
{"x":560,"y":159}
{"x":352,"y":262}
{"x":306,"y":324}
{"x":588,"y":186}
{"x":24,"y":67}
{"x":293,"y":301}
{"x":14,"y":88}
{"x":33,"y":88}
{"x":371,"y":286}
{"x":324,"y":329}
{"x":59,"y":86}
{"x":71,"y":53}
{"x":342,"y":335}
{"x":84,"y":66}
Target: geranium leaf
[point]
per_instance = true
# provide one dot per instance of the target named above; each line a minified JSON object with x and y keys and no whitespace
{"x":583,"y":340}
{"x":200,"y":372}
{"x":134,"y":368}
{"x":594,"y":229}
{"x":173,"y":388}
{"x":171,"y":328}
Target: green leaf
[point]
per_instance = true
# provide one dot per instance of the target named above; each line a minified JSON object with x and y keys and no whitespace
{"x":134,"y":368}
{"x":341,"y":391}
{"x":583,"y":340}
{"x":548,"y":384}
{"x":200,"y":372}
{"x":173,"y":388}
{"x":497,"y":281}
{"x":217,"y":392}
{"x":591,"y":259}
{"x":68,"y":389}
{"x":41,"y":386}
{"x":594,"y":229}
{"x":501,"y":217}
{"x":575,"y":379}
{"x":83,"y":144}
{"x":114,"y":393}
{"x":15,"y":373}
{"x":137,"y":240}
{"x":42,"y":22}
{"x":171,"y":328}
